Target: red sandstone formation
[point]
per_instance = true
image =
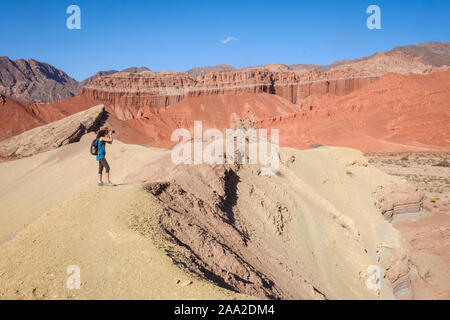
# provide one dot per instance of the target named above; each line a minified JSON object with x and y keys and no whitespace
{"x":215,"y":111}
{"x":17,"y":117}
{"x":134,"y":95}
{"x":395,"y":113}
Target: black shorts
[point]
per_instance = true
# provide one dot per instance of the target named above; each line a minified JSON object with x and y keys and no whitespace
{"x":102,"y":163}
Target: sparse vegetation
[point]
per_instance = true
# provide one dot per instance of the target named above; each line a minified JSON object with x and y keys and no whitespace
{"x":315,"y":145}
{"x":427,"y":170}
{"x":444,"y":163}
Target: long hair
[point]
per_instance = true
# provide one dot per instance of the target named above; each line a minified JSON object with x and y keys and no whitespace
{"x":101,"y":133}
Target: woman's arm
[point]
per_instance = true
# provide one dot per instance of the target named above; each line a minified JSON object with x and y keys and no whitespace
{"x":108,"y":138}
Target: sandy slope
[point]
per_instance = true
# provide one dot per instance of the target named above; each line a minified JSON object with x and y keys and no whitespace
{"x":33,"y":185}
{"x":53,"y":215}
{"x":90,"y":230}
{"x":309,"y":232}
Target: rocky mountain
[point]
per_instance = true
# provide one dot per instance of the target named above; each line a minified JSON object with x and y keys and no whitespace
{"x":38,"y":82}
{"x":436,"y":54}
{"x":135,"y":69}
{"x":34,"y":81}
{"x":99,"y":74}
{"x":199,"y":71}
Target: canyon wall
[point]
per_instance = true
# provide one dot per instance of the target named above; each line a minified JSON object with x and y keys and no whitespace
{"x":395,"y":113}
{"x":135,"y":95}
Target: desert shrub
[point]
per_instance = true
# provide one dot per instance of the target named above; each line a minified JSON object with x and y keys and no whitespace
{"x":315,"y":145}
{"x":444,"y":163}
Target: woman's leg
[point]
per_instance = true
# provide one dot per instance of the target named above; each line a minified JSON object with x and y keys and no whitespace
{"x":100,"y":170}
{"x":106,"y":165}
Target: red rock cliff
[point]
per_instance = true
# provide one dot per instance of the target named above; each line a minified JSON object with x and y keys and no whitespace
{"x":135,"y":95}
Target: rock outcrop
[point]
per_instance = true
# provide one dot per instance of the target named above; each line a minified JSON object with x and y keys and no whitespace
{"x":397,"y":201}
{"x":53,"y":135}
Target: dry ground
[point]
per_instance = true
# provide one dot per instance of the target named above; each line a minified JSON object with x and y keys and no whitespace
{"x":428,"y":236}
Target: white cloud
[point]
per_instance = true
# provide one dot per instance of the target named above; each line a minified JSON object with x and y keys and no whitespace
{"x":228,"y":39}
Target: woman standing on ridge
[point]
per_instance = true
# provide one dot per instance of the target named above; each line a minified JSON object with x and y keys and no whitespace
{"x":104,"y":136}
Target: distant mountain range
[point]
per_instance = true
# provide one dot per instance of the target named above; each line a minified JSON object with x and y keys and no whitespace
{"x":199,"y":71}
{"x":39,"y":82}
{"x":436,"y":54}
{"x":31,"y":80}
{"x":99,"y":74}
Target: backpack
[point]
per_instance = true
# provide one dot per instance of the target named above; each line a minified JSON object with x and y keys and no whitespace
{"x":94,"y":147}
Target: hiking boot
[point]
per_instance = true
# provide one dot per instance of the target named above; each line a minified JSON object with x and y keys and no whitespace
{"x":109,"y":184}
{"x":100,"y":183}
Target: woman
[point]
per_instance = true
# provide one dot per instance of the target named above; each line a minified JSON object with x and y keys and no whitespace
{"x":104,"y":136}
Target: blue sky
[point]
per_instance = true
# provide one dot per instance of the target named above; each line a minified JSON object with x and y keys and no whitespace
{"x":177,"y":35}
